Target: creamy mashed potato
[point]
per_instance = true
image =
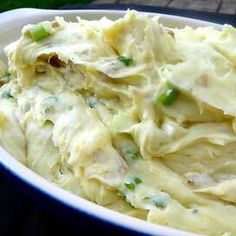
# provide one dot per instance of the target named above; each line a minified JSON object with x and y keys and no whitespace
{"x":129,"y":114}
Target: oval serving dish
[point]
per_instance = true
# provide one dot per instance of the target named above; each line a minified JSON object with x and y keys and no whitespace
{"x":11,"y":23}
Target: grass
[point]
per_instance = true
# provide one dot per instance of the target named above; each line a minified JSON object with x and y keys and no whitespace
{"x":12,"y":4}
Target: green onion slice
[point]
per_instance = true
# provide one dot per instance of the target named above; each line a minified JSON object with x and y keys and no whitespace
{"x":168,"y":97}
{"x":38,"y":32}
{"x":161,"y":201}
{"x":125,"y":60}
{"x":6,"y":93}
{"x":131,"y":183}
{"x":131,"y":154}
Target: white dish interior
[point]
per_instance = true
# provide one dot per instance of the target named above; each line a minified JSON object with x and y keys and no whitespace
{"x":11,"y":23}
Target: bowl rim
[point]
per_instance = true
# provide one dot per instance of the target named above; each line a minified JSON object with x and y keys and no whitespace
{"x":16,"y":169}
{"x":27,"y":12}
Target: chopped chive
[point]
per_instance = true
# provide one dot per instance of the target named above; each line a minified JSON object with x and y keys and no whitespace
{"x":131,"y":155}
{"x":137,"y":180}
{"x":168,"y":97}
{"x":125,"y":60}
{"x":132,"y":183}
{"x":38,"y":32}
{"x":6,"y":93}
{"x":130,"y":186}
{"x":160,"y":201}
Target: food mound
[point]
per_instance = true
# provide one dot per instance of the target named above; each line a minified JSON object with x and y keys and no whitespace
{"x":130,"y":114}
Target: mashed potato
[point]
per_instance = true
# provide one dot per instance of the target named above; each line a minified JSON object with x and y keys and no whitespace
{"x":129,"y":114}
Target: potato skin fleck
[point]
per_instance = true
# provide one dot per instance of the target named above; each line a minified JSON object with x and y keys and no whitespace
{"x":3,"y":120}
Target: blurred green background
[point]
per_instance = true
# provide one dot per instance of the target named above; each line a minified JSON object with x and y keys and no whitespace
{"x":11,"y":4}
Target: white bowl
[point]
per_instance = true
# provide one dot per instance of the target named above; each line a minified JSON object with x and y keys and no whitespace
{"x":11,"y":23}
